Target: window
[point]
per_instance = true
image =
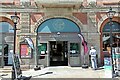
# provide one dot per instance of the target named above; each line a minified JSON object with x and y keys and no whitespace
{"x":42,"y":50}
{"x":74,"y":48}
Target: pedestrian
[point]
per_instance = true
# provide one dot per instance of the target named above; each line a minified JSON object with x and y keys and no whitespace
{"x":93,"y":55}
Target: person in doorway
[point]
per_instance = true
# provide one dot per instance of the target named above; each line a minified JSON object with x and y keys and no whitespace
{"x":93,"y":55}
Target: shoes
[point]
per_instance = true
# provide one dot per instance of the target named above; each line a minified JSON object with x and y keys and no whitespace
{"x":95,"y":69}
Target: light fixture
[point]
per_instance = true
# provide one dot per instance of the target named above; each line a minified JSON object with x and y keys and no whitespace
{"x":15,"y":18}
{"x":58,"y":33}
{"x":110,"y":13}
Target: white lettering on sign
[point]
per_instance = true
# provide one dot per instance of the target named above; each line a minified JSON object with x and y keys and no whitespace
{"x":58,"y":36}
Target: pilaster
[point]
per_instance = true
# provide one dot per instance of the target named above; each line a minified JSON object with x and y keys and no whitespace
{"x":25,"y":22}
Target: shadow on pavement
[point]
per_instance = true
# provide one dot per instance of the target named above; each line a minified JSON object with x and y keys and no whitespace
{"x":43,"y":74}
{"x":2,"y":76}
{"x":24,"y":78}
{"x":100,"y":68}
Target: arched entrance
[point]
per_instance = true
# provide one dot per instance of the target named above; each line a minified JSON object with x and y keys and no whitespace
{"x":6,"y":42}
{"x":105,"y":36}
{"x":58,"y":43}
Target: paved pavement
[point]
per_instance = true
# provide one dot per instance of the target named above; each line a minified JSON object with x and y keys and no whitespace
{"x":65,"y":72}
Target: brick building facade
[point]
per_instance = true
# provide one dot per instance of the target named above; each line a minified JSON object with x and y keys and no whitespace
{"x":89,"y":15}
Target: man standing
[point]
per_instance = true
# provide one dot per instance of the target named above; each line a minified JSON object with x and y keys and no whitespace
{"x":93,"y":55}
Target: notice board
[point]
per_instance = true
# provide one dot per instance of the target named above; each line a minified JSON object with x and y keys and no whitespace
{"x":25,"y":51}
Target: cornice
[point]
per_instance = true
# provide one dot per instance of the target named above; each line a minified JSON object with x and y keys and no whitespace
{"x":38,"y":10}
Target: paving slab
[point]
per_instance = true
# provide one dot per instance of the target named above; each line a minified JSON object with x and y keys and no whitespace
{"x":62,"y":72}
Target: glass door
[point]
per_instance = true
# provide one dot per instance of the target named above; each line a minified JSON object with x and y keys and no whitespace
{"x":74,"y":54}
{"x":58,"y":53}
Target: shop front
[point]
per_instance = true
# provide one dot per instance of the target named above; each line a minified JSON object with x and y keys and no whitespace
{"x":58,"y":43}
{"x":6,"y":43}
{"x":115,"y":37}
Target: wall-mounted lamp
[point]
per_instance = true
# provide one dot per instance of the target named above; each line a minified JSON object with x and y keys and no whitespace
{"x":58,"y":33}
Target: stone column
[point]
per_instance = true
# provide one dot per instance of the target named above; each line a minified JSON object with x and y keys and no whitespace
{"x":94,"y":39}
{"x":25,"y":31}
{"x":25,"y":22}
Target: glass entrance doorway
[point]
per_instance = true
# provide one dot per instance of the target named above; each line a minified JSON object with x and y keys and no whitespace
{"x":57,"y":33}
{"x":5,"y":56}
{"x":58,"y":53}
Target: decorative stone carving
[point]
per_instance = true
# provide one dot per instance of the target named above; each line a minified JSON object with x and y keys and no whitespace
{"x":92,"y":4}
{"x":25,"y":4}
{"x":25,"y":22}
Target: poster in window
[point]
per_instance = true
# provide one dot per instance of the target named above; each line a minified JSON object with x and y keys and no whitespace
{"x":25,"y":51}
{"x":42,"y":48}
{"x":74,"y":48}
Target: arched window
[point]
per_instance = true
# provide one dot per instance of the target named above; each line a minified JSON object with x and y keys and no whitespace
{"x":115,"y":27}
{"x":6,"y":42}
{"x":6,"y":33}
{"x":58,"y":25}
{"x":5,"y":27}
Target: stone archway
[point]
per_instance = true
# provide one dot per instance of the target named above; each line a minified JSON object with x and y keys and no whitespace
{"x":72,"y":18}
{"x":117,"y":19}
{"x":57,"y":40}
{"x":5,"y":19}
{"x":105,"y":19}
{"x":101,"y":25}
